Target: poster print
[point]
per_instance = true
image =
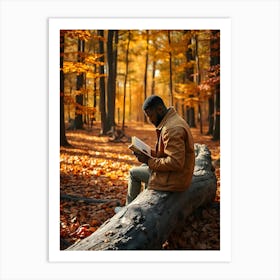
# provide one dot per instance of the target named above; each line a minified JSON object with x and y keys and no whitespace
{"x":107,"y":69}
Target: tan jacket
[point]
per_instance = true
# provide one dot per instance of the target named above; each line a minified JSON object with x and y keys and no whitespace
{"x":173,"y":166}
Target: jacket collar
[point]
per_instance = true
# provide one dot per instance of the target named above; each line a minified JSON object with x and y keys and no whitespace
{"x":171,"y":111}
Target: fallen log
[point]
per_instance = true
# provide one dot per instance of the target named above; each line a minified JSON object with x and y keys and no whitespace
{"x":146,"y":223}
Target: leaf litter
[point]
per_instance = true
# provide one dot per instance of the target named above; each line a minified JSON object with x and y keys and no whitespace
{"x":95,"y":168}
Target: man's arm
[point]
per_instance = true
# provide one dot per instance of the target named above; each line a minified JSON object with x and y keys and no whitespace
{"x":174,"y":149}
{"x":142,"y":158}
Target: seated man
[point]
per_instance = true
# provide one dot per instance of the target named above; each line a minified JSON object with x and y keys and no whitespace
{"x":171,"y":167}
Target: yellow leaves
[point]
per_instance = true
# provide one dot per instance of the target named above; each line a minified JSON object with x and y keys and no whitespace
{"x":70,"y":67}
{"x":186,"y":89}
{"x":80,"y":34}
{"x":188,"y":93}
{"x":92,"y":75}
{"x":113,"y":175}
{"x":94,"y":166}
{"x":79,"y":109}
{"x":94,"y":59}
{"x":75,"y":67}
{"x":191,"y":93}
{"x":79,"y":68}
{"x":191,"y":101}
{"x":110,"y":170}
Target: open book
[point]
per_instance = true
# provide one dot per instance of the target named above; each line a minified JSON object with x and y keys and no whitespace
{"x":139,"y":147}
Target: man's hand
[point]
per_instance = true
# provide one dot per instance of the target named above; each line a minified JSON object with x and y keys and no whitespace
{"x":142,"y":158}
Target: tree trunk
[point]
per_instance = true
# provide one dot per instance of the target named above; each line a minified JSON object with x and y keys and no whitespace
{"x":216,"y":130}
{"x":189,"y":78}
{"x":102,"y":99}
{"x":125,"y":77}
{"x":95,"y":48}
{"x":79,"y":86}
{"x":198,"y":82}
{"x":215,"y":60}
{"x":153,"y":78}
{"x":146,"y":223}
{"x":111,"y":88}
{"x":115,"y":70}
{"x":63,"y":139}
{"x":170,"y":71}
{"x":95,"y":89}
{"x":191,"y":115}
{"x":146,"y":71}
{"x":210,"y":115}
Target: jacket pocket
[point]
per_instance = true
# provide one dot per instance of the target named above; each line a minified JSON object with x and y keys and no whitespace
{"x":160,"y":178}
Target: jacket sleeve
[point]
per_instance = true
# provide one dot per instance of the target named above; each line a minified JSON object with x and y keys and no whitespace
{"x":174,"y":150}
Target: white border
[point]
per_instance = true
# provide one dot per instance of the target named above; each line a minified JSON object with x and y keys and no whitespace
{"x":224,"y":25}
{"x":24,"y":147}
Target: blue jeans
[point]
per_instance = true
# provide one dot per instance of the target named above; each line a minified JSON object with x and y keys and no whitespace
{"x":137,"y":175}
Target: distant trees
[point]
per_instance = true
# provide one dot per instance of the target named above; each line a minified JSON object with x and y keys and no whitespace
{"x":108,"y":78}
{"x":209,"y":87}
{"x":106,"y":73}
{"x":215,"y":68}
{"x":74,"y":67}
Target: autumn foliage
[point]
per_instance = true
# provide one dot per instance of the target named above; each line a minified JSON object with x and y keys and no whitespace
{"x":105,"y":75}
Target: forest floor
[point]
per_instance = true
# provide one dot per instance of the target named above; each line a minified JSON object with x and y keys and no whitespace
{"x":93,"y":167}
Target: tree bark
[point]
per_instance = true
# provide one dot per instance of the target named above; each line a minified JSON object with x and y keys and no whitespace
{"x":170,"y":70}
{"x":146,"y":71}
{"x":210,"y":115}
{"x":125,"y":77}
{"x":111,"y":81}
{"x":198,"y":78}
{"x":189,"y":78}
{"x":63,"y":139}
{"x":102,"y":98}
{"x":191,"y":115}
{"x":79,"y":86}
{"x":153,"y":78}
{"x":215,"y":60}
{"x":146,"y":223}
{"x":216,"y":129}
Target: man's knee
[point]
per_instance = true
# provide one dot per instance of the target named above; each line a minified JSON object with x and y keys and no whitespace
{"x":132,"y":170}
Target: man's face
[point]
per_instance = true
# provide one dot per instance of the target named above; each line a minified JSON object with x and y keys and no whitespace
{"x":154,"y":115}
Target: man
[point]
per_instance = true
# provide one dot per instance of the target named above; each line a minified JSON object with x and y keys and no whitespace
{"x":172,"y":164}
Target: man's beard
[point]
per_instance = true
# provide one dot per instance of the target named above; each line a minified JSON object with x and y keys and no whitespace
{"x":159,"y":119}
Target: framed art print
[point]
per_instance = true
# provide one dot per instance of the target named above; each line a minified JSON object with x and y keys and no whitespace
{"x":74,"y":77}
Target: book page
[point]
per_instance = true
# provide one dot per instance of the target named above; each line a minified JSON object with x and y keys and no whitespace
{"x":140,"y":145}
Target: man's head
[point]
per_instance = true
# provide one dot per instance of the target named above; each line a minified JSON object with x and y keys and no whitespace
{"x":154,"y":109}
